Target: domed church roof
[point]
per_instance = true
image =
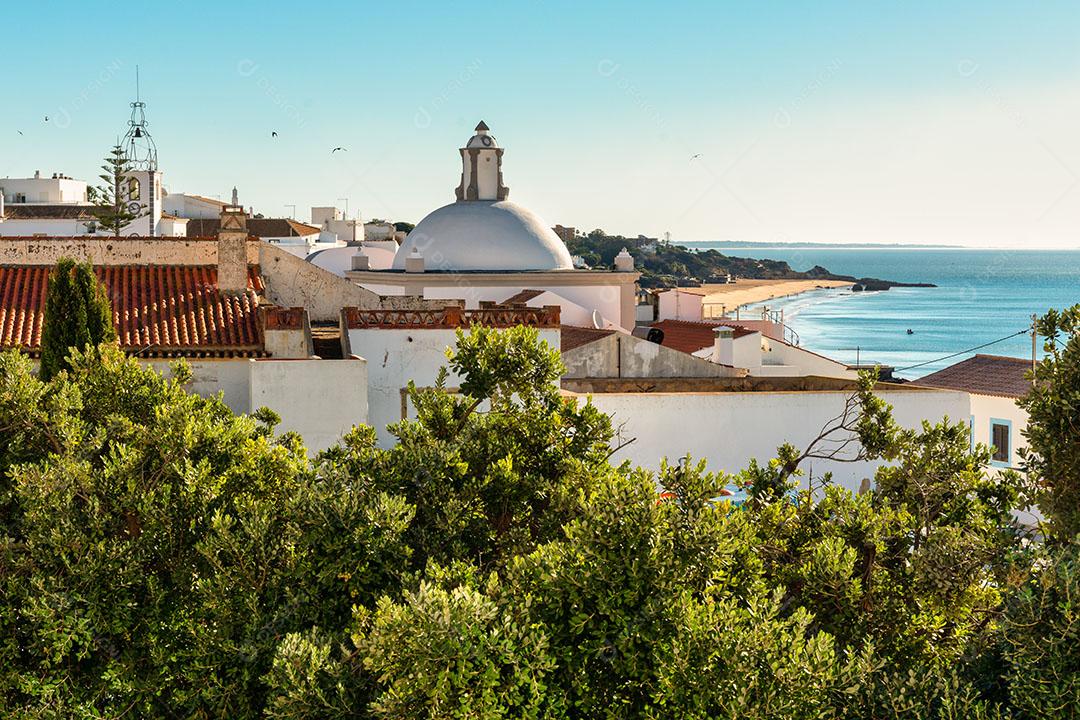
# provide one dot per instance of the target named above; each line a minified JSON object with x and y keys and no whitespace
{"x":491,"y":235}
{"x":483,"y":231}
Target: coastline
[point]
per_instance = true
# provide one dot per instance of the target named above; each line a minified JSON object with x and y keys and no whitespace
{"x":745,"y":292}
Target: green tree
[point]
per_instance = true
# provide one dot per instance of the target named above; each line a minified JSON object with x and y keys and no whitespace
{"x":1052,"y":458}
{"x":77,"y":315}
{"x":116,"y":202}
{"x":162,"y":557}
{"x":156,"y":547}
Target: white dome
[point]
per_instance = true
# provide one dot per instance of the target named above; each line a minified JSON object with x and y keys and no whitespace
{"x":492,"y":236}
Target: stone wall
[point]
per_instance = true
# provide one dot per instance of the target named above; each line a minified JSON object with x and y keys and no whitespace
{"x":294,"y":282}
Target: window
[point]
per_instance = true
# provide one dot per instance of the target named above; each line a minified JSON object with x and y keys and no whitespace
{"x":1000,"y":438}
{"x":134,"y":189}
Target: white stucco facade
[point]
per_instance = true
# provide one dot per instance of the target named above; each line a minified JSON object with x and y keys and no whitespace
{"x":394,"y":357}
{"x":727,"y":429}
{"x":679,"y":304}
{"x":56,"y":190}
{"x":319,"y":399}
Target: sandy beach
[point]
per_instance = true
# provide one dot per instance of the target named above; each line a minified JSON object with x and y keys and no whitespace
{"x":748,"y":292}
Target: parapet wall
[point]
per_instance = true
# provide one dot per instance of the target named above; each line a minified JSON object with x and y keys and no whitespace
{"x":116,"y":251}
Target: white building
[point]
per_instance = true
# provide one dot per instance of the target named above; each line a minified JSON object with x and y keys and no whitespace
{"x":729,"y":421}
{"x":332,"y":220}
{"x":192,"y":207}
{"x":994,"y":384}
{"x":485,"y":248}
{"x":59,"y":189}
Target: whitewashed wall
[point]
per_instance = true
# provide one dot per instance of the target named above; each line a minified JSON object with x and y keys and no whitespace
{"x":679,"y":305}
{"x":728,"y":429}
{"x":394,"y":357}
{"x":320,"y":399}
{"x":986,"y":408}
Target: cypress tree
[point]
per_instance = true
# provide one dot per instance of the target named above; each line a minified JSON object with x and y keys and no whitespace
{"x":77,"y":314}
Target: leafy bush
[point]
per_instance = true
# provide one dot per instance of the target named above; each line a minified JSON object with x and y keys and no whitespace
{"x":162,"y":557}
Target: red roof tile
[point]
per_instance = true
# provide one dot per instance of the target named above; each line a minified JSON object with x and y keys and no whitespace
{"x":571,"y":336}
{"x":984,"y":375}
{"x":523,"y":297}
{"x":258,"y":227}
{"x":686,"y":336}
{"x":689,"y":337}
{"x":159,"y":310}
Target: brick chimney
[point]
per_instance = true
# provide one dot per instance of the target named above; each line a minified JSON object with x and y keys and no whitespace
{"x":232,"y":275}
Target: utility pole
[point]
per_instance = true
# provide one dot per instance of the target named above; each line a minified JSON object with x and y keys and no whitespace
{"x":293,"y":215}
{"x":1034,"y":342}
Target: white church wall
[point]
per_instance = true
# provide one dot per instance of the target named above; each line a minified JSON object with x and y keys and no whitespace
{"x":727,"y":429}
{"x":605,"y":299}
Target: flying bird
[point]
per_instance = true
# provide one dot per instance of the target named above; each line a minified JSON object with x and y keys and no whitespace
{"x":338,"y":148}
{"x":273,"y":133}
{"x":46,"y":118}
{"x":695,"y":157}
{"x":19,"y":131}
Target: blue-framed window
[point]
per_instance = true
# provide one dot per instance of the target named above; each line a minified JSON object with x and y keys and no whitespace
{"x":1001,"y":440}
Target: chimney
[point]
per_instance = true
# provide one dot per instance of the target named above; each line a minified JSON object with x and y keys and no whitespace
{"x":414,"y":262}
{"x":743,"y":351}
{"x":232,"y":275}
{"x":360,"y":260}
{"x":624,"y":261}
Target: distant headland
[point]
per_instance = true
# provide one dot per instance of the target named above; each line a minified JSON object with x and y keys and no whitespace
{"x":664,"y":264}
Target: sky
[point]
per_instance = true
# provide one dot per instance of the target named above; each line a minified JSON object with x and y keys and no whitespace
{"x":916,"y":122}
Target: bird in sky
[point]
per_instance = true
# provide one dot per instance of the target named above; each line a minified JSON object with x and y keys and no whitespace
{"x":273,"y":133}
{"x":46,"y":118}
{"x":19,"y":131}
{"x":338,"y":148}
{"x":695,"y":157}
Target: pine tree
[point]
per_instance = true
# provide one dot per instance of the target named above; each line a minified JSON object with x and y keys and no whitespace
{"x":116,"y":205}
{"x":77,"y":314}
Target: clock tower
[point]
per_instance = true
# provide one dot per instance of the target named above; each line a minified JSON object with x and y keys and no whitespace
{"x":481,"y":168}
{"x":144,"y":180}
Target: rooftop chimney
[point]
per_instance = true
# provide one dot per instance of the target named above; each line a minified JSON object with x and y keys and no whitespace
{"x":360,"y":260}
{"x":414,"y":262}
{"x":624,"y":261}
{"x":232,"y":276}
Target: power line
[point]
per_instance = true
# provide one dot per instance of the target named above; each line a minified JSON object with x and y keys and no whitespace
{"x":1025,"y":331}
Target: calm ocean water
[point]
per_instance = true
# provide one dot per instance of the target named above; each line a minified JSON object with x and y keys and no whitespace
{"x":982,"y":295}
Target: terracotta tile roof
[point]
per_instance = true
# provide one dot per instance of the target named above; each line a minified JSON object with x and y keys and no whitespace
{"x":523,"y":297}
{"x":571,"y":336}
{"x":686,"y":336}
{"x":259,"y":227}
{"x":160,"y":310}
{"x":48,"y":212}
{"x":983,"y":375}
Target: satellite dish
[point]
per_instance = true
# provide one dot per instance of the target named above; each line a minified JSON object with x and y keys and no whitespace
{"x":597,"y":320}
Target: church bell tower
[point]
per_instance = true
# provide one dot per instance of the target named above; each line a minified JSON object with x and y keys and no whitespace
{"x":481,"y":168}
{"x":144,"y":180}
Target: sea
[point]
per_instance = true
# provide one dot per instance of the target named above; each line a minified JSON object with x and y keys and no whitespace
{"x":983,"y":299}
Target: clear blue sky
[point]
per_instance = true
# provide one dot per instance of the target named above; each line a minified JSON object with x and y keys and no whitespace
{"x":822,"y":121}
